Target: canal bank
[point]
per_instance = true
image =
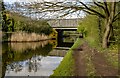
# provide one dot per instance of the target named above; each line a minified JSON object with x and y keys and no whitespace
{"x":66,"y":67}
{"x":84,"y":60}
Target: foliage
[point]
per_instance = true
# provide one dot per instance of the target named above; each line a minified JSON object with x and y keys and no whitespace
{"x":83,"y":31}
{"x":90,"y":26}
{"x":23,"y":23}
{"x":14,"y":22}
{"x":94,"y":39}
{"x":116,"y":29}
{"x":7,"y":23}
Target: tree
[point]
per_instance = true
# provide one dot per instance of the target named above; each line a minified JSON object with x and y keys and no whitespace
{"x":7,"y":22}
{"x":107,"y":11}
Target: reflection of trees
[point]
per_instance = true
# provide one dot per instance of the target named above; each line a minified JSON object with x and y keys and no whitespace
{"x":53,"y":42}
{"x":21,"y":47}
{"x":7,"y":56}
{"x":11,"y":59}
{"x":33,"y":63}
{"x":24,"y":46}
{"x":16,"y":66}
{"x":70,"y":39}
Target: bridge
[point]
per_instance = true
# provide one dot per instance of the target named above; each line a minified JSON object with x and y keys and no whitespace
{"x":61,"y":25}
{"x":64,"y":23}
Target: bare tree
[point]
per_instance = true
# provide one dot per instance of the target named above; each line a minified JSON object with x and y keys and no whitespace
{"x":108,"y":11}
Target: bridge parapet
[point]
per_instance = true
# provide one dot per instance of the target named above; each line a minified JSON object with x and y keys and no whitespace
{"x":65,"y":23}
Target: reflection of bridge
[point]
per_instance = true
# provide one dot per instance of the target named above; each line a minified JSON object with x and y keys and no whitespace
{"x":59,"y":53}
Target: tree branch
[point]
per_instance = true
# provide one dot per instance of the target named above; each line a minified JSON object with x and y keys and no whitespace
{"x":99,"y":5}
{"x":106,"y":8}
{"x":116,"y":15}
{"x":115,"y":19}
{"x":67,"y":13}
{"x":92,"y":10}
{"x":58,"y":6}
{"x":89,"y":12}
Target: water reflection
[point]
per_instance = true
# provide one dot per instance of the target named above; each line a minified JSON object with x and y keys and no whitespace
{"x":23,"y":46}
{"x":32,"y":59}
{"x":32,"y":67}
{"x":29,"y":59}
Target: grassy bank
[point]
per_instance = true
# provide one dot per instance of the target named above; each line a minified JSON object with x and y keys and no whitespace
{"x":66,"y":67}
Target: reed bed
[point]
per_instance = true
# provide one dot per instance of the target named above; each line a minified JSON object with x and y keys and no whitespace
{"x":26,"y":37}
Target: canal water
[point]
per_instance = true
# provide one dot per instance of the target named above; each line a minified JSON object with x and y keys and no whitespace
{"x":32,"y":59}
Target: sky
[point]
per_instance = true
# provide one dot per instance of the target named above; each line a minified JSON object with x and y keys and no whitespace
{"x":51,"y":0}
{"x":71,"y":16}
{"x":19,"y":0}
{"x":74,"y":15}
{"x":28,"y":0}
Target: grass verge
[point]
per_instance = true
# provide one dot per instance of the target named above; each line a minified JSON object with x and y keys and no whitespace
{"x":66,"y":67}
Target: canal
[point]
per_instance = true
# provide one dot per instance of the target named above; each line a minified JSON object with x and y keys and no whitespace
{"x":33,"y":58}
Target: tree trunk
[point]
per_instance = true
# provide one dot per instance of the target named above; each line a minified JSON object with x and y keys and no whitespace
{"x":108,"y":25}
{"x":106,"y":35}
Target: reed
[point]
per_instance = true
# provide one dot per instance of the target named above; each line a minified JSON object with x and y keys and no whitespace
{"x":26,"y":37}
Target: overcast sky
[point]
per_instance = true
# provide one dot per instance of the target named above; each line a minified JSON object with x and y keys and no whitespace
{"x":74,"y":15}
{"x":19,"y":0}
{"x":29,"y":0}
{"x":51,"y":0}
